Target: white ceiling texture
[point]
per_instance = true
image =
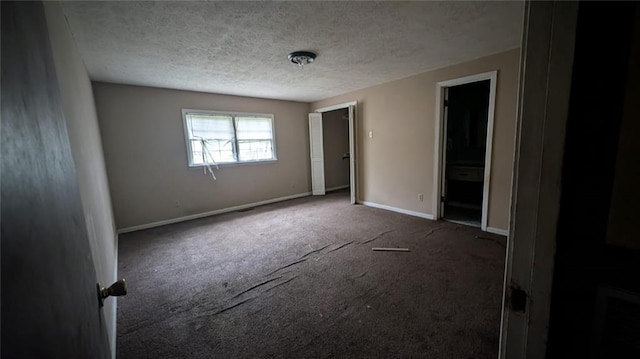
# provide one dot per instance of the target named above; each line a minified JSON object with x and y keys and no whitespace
{"x":241,"y":48}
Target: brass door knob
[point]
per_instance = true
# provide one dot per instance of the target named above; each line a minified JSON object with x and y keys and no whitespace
{"x":117,"y":289}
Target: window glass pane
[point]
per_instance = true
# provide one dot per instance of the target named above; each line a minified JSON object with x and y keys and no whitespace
{"x":211,"y":137}
{"x":219,"y":151}
{"x":255,"y":138}
{"x":210,"y":126}
{"x":254,"y":150}
{"x":253,"y":128}
{"x":196,"y":150}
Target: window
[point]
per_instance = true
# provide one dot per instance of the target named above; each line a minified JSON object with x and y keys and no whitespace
{"x":218,"y":138}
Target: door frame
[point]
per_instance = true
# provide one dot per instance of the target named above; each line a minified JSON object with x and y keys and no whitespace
{"x":353,"y":145}
{"x":440,"y":128}
{"x":544,"y":90}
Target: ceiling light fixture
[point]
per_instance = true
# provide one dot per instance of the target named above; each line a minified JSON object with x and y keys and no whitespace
{"x":302,"y":58}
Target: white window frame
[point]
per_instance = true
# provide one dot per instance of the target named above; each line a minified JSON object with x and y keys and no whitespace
{"x":233,"y":115}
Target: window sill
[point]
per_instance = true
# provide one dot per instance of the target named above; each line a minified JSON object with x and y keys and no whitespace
{"x":234,"y":164}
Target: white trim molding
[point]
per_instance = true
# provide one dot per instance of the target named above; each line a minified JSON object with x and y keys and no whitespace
{"x":211,"y":213}
{"x":336,"y":107}
{"x":544,"y":92}
{"x":233,"y":118}
{"x":353,"y":143}
{"x":438,"y":162}
{"x":396,"y":209}
{"x":499,"y":231}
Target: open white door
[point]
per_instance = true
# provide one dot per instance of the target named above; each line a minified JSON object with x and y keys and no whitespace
{"x":352,"y":153}
{"x":316,"y":150}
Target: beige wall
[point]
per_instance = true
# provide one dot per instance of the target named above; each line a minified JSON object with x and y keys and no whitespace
{"x":84,"y":137}
{"x":397,"y":162}
{"x":145,"y":151}
{"x":144,"y":146}
{"x":335,"y":138}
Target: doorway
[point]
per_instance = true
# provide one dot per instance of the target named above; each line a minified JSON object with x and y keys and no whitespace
{"x":335,"y":140}
{"x":336,"y":117}
{"x":463,"y":149}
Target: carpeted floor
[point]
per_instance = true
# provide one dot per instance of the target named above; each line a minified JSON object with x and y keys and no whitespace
{"x":298,"y":279}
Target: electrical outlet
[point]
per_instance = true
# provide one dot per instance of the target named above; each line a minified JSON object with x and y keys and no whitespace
{"x":420,"y":197}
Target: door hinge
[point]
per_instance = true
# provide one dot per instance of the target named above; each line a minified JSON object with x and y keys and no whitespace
{"x":446,"y":103}
{"x":517,"y":299}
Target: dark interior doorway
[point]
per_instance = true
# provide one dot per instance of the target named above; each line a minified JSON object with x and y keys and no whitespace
{"x":595,"y":299}
{"x":466,"y":119}
{"x":335,"y":138}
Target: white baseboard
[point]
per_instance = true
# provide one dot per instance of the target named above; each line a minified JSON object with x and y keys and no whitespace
{"x":500,"y":231}
{"x":336,"y":188}
{"x":399,"y":210}
{"x":211,"y":213}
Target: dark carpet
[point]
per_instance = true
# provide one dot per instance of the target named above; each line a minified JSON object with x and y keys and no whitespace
{"x":298,"y":279}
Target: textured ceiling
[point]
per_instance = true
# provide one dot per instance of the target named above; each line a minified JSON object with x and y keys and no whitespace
{"x":241,"y":48}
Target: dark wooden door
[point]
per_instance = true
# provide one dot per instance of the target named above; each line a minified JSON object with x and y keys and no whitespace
{"x":49,"y":298}
{"x":595,"y":308}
